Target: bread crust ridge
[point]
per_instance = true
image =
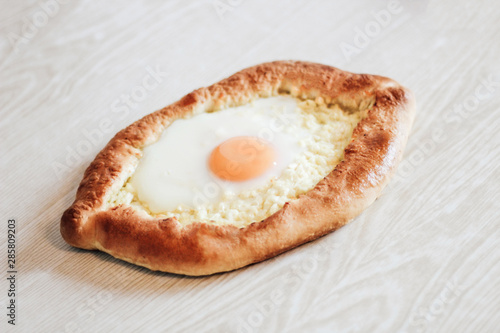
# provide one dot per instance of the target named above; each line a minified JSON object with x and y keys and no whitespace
{"x":199,"y":248}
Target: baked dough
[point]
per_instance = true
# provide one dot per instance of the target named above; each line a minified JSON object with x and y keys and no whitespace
{"x":202,"y":248}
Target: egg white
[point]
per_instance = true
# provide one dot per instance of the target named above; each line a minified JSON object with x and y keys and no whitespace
{"x":174,"y":172}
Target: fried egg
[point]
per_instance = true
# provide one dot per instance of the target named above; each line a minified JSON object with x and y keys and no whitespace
{"x":201,"y":159}
{"x":232,"y":166}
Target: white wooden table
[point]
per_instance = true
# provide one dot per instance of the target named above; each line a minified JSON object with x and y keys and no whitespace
{"x":423,"y":258}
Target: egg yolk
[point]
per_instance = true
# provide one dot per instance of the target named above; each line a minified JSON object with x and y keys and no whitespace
{"x":242,"y":158}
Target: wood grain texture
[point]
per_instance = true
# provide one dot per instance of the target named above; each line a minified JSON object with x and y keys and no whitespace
{"x":423,"y":258}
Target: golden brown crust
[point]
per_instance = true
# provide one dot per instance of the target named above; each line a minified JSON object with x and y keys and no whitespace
{"x":200,"y":248}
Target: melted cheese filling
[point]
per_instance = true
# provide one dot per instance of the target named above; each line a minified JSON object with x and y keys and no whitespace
{"x":330,"y":130}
